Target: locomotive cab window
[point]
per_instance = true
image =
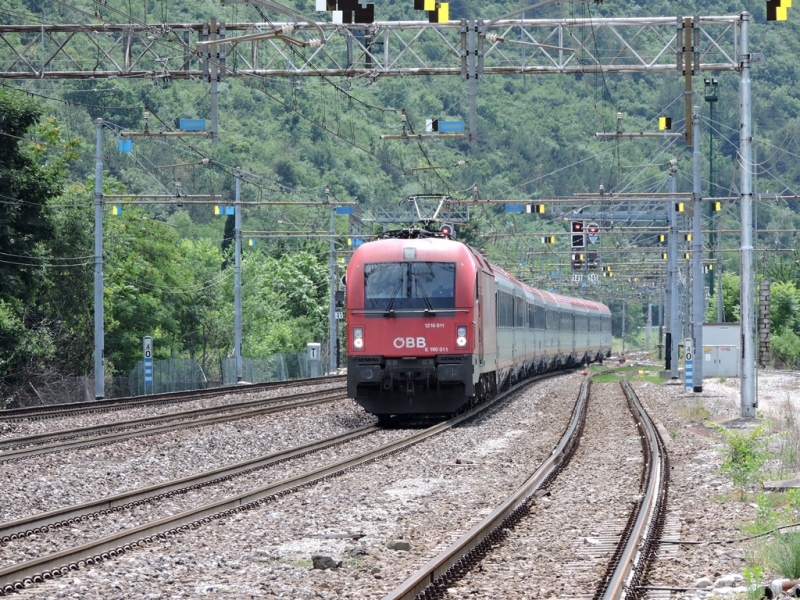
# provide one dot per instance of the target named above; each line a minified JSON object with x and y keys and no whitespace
{"x":409,"y":286}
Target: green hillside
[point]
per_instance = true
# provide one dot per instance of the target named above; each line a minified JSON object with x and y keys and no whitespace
{"x":168,"y":268}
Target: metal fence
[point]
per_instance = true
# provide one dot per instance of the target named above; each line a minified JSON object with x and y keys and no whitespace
{"x":277,"y":367}
{"x":170,"y":375}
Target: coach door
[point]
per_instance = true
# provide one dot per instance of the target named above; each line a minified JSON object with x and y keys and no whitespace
{"x":479,"y":308}
{"x":488,"y":318}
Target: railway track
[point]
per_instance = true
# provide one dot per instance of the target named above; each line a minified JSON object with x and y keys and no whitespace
{"x":633,"y":552}
{"x":60,"y":563}
{"x":85,"y":437}
{"x":115,"y":404}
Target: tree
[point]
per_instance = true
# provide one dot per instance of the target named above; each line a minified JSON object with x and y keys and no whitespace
{"x":33,"y":244}
{"x":784,"y":307}
{"x":730,"y":300}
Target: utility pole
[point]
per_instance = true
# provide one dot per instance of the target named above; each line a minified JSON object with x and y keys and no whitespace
{"x":748,"y":382}
{"x":698,"y":287}
{"x":332,"y":295}
{"x":99,"y":332}
{"x":649,"y":323}
{"x":237,"y":286}
{"x":672,"y":277}
{"x":623,"y":327}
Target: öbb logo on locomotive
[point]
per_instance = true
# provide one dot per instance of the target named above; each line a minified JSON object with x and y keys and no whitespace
{"x":409,"y":342}
{"x":432,"y":326}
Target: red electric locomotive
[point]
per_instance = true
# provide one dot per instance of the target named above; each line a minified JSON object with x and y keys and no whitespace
{"x":432,"y":326}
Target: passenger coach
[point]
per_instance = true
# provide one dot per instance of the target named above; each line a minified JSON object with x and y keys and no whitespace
{"x":432,"y":326}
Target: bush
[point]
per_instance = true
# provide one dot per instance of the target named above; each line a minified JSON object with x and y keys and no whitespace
{"x":786,"y":349}
{"x":744,"y":455}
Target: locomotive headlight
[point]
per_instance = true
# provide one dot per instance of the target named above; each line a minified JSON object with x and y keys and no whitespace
{"x":358,"y":338}
{"x":461,"y":336}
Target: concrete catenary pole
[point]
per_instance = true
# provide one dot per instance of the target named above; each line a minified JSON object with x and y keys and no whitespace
{"x":748,"y":383}
{"x":672,"y":275}
{"x":332,"y":298}
{"x":99,"y":332}
{"x":237,"y":286}
{"x":698,"y":295}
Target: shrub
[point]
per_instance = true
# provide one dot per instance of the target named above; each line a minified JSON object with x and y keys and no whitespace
{"x":786,"y":349}
{"x":782,"y":553}
{"x":744,"y":454}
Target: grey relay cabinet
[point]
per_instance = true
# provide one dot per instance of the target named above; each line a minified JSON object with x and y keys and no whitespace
{"x":721,"y":353}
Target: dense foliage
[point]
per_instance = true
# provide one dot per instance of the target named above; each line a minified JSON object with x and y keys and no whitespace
{"x":169,"y":270}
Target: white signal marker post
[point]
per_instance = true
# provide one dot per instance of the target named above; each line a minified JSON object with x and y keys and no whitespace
{"x":147,"y":355}
{"x":314,"y":352}
{"x":688,"y":359}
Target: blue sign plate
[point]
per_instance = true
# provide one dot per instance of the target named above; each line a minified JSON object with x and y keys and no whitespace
{"x":193,"y":124}
{"x":450,"y":126}
{"x":344,"y":210}
{"x":514,"y":208}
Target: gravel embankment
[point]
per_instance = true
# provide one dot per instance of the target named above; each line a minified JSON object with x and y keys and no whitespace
{"x":68,"y":423}
{"x":425,"y":496}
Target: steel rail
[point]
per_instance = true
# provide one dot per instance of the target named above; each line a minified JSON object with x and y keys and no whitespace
{"x":18,"y":576}
{"x":277,"y":405}
{"x":63,"y":517}
{"x":467,"y":550}
{"x":639,"y":541}
{"x":72,"y":408}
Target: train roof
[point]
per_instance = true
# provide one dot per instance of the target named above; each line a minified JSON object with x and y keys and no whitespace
{"x":438,"y":247}
{"x":555,"y":298}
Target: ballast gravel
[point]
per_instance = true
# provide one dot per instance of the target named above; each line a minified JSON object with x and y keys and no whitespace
{"x":36,"y":426}
{"x":45,"y":482}
{"x":417,"y":497}
{"x":425,"y":496}
{"x":563,"y":546}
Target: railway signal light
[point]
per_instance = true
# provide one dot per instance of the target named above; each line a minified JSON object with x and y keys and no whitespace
{"x":577,"y":262}
{"x":679,"y":207}
{"x":688,"y":237}
{"x":717,"y":206}
{"x":777,"y":10}
{"x":662,"y":237}
{"x":447,"y":230}
{"x":664,"y":255}
{"x":578,"y":235}
{"x":549,"y":239}
{"x":592,"y":260}
{"x":687,"y":256}
{"x":535,"y":208}
{"x":664,"y":123}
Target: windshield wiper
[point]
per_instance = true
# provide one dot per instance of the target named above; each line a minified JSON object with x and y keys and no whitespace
{"x":388,"y":311}
{"x":421,"y":288}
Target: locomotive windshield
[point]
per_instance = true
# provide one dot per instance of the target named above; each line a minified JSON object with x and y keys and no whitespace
{"x":409,"y":286}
